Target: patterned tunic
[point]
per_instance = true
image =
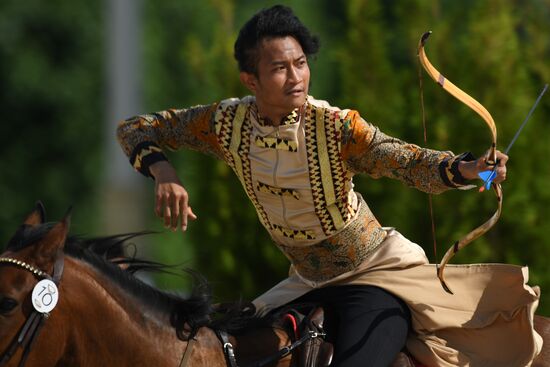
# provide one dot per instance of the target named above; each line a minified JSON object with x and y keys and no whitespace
{"x":299,"y":174}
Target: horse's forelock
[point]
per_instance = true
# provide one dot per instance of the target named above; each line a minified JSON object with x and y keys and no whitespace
{"x":27,"y":235}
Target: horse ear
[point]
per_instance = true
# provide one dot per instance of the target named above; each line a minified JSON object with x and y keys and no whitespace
{"x":54,"y":240}
{"x":37,"y":216}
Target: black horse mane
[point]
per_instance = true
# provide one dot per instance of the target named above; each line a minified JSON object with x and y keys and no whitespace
{"x":106,"y":254}
{"x":186,"y":315}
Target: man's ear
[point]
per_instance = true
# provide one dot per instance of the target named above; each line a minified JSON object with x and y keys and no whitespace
{"x":249,"y":80}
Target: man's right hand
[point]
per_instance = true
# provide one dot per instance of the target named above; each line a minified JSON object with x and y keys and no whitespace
{"x":171,"y":198}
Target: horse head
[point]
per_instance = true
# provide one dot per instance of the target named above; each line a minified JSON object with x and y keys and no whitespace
{"x":103,"y":315}
{"x":31,"y":256}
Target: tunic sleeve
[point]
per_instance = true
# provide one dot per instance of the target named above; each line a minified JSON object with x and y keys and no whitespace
{"x":143,"y":138}
{"x":368,"y":150}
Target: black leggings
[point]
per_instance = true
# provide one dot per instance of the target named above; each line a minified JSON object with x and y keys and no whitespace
{"x":367,"y":325}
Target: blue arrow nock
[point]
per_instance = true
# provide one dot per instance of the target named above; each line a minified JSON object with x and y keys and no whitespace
{"x":487,"y":177}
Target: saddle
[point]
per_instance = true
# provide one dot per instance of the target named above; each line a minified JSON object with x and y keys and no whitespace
{"x":316,"y":351}
{"x":308,"y":346}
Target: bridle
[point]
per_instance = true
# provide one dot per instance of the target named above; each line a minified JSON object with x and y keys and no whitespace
{"x":33,"y":325}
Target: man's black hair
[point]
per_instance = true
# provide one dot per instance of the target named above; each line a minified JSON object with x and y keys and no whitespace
{"x":274,"y":22}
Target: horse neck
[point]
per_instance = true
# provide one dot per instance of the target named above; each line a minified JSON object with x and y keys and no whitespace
{"x":109,"y":326}
{"x":105,"y":326}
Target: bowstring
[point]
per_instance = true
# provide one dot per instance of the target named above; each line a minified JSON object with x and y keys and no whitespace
{"x":430,"y":200}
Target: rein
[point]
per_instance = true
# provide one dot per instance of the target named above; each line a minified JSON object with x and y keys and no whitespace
{"x":34,"y":323}
{"x":285,"y":351}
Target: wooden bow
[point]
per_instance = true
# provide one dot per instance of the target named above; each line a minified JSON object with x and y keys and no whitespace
{"x":490,"y":158}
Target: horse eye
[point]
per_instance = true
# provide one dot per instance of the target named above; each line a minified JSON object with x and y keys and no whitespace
{"x":7,"y":304}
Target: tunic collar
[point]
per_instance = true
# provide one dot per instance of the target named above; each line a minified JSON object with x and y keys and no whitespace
{"x":290,"y":119}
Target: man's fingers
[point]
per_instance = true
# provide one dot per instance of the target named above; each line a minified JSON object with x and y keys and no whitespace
{"x":191,"y":214}
{"x":501,"y":174}
{"x":158,"y":205}
{"x":175,"y":213}
{"x":167,"y":215}
{"x":172,"y":205}
{"x":184,"y":211}
{"x":502,"y":159}
{"x":184,"y":222}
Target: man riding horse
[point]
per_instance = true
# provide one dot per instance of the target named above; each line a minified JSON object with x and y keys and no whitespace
{"x":295,"y":157}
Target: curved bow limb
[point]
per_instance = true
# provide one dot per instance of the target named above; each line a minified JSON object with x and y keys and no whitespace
{"x":473,"y":235}
{"x":491,"y":157}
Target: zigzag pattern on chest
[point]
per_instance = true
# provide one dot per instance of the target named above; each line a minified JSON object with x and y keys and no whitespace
{"x":279,"y":191}
{"x":315,"y":178}
{"x":333,"y":126}
{"x":276,"y":143}
{"x":244,"y":151}
{"x":334,"y":179}
{"x":236,"y":143}
{"x":224,"y":130}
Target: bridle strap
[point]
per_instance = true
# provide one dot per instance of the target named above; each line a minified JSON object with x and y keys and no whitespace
{"x":58,"y":267}
{"x":188,"y":350}
{"x":30,"y":336}
{"x":34,"y":323}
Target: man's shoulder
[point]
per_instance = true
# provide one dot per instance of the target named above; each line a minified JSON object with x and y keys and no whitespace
{"x":226,"y":111}
{"x":233,"y":103}
{"x":319,"y":103}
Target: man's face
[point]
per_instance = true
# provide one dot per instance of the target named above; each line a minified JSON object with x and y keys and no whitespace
{"x":283,"y":76}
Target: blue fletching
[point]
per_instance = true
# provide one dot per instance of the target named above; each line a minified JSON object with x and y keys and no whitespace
{"x":487,"y":177}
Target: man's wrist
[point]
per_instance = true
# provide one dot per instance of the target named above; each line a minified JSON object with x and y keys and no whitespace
{"x":453,"y":171}
{"x":464,"y":168}
{"x":160,"y":168}
{"x":467,"y":170}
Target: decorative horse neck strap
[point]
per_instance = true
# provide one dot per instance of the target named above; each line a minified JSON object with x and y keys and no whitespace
{"x":34,"y":323}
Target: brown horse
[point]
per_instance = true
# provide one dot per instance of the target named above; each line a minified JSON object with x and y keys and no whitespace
{"x":104,"y":316}
{"x":107,"y":317}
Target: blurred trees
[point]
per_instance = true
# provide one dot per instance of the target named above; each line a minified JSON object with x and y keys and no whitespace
{"x":50,"y":72}
{"x":51,"y":109}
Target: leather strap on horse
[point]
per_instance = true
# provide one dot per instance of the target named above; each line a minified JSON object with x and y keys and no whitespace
{"x":34,"y":323}
{"x":230,"y":353}
{"x":312,"y":331}
{"x":188,"y":350}
{"x":315,"y":352}
{"x":286,"y":350}
{"x":228,"y":349}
